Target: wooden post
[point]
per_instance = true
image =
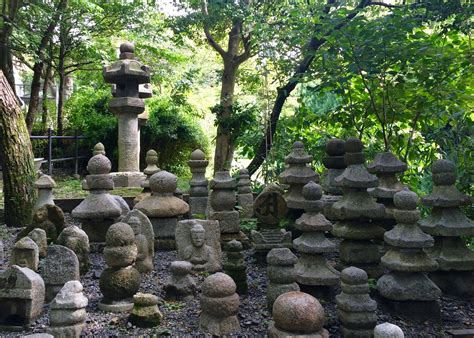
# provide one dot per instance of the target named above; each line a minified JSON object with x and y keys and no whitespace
{"x":17,"y":157}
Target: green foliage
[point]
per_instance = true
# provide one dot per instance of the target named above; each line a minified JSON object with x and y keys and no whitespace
{"x":243,"y":117}
{"x":248,"y":224}
{"x":173,"y":131}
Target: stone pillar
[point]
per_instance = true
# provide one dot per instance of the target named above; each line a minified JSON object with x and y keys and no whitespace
{"x":406,"y":288}
{"x":245,"y":196}
{"x":357,"y":213}
{"x":198,"y":191}
{"x":335,"y":165}
{"x":448,"y":224}
{"x":127,"y":74}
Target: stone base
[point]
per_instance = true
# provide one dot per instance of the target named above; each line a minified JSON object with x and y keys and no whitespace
{"x":229,"y":221}
{"x":145,"y":321}
{"x":96,"y":230}
{"x":403,"y":286}
{"x":459,"y":283}
{"x":66,"y":331}
{"x":326,"y":292}
{"x":218,"y":326}
{"x":127,"y":179}
{"x":274,"y":332}
{"x":197,"y":207}
{"x":125,"y":305}
{"x":314,"y":270}
{"x":415,"y":310}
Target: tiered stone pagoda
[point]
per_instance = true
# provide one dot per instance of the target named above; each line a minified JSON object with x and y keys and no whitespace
{"x":386,"y":166}
{"x":127,"y":74}
{"x":270,"y":208}
{"x":163,"y":208}
{"x":198,"y":191}
{"x":358,"y":213}
{"x":222,"y":202}
{"x":312,"y":268}
{"x":448,"y":224}
{"x":234,"y":265}
{"x":45,"y":185}
{"x":335,"y":165}
{"x":151,"y":168}
{"x":406,"y":287}
{"x":245,"y":196}
{"x":99,"y":210}
{"x":296,"y":175}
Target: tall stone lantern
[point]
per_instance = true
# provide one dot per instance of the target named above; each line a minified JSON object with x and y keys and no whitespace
{"x":127,"y":74}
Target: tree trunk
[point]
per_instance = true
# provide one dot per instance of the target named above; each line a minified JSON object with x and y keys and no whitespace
{"x":44,"y":112}
{"x":17,"y":159}
{"x":34,"y":95}
{"x":61,"y":90}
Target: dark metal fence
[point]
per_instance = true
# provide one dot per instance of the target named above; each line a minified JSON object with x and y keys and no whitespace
{"x":50,"y":137}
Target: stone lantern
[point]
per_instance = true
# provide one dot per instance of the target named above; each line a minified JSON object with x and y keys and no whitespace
{"x":127,"y":74}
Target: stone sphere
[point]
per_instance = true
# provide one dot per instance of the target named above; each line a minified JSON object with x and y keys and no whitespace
{"x":119,"y":284}
{"x":296,"y":311}
{"x":387,"y":330}
{"x":444,"y":172}
{"x":335,"y":147}
{"x":119,"y":234}
{"x":198,"y":155}
{"x":405,"y":200}
{"x":163,"y":182}
{"x":127,"y":47}
{"x":298,"y":145}
{"x":353,"y":145}
{"x":312,"y":191}
{"x":99,"y":165}
{"x":218,"y":285}
{"x":353,"y":276}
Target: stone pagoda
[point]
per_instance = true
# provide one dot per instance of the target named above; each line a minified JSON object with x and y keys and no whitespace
{"x":45,"y":185}
{"x":245,"y":196}
{"x":296,"y":175}
{"x":335,"y":165}
{"x":270,"y":208}
{"x":312,"y":268}
{"x":151,"y":168}
{"x":386,"y":166}
{"x":99,"y":210}
{"x":198,"y":191}
{"x":127,"y":74}
{"x":234,"y":265}
{"x":222,"y":201}
{"x":163,"y":208}
{"x":448,"y":224}
{"x":356,"y":212}
{"x":406,"y":287}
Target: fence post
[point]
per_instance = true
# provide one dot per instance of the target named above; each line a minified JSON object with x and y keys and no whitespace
{"x":76,"y":154}
{"x":50,"y":151}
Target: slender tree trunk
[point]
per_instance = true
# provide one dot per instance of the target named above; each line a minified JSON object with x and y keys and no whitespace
{"x":62,"y":85}
{"x":17,"y":159}
{"x":44,"y":112}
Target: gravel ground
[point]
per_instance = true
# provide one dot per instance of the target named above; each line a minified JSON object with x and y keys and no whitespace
{"x":182,"y":318}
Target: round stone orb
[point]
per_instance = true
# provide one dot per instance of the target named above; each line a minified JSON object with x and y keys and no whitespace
{"x":297,"y":311}
{"x":405,"y":200}
{"x":127,"y":47}
{"x":119,"y":284}
{"x":353,"y":276}
{"x":163,"y":182}
{"x":119,"y":234}
{"x":218,"y":285}
{"x":335,"y":147}
{"x":312,"y":191}
{"x":99,"y":165}
{"x":353,"y":145}
{"x":198,"y":155}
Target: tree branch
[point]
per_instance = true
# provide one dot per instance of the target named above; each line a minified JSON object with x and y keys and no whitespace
{"x":212,"y":42}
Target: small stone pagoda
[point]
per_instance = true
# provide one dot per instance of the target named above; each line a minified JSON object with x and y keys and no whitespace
{"x":163,"y":208}
{"x":357,"y":213}
{"x":448,"y":224}
{"x":386,"y":166}
{"x":198,"y":191}
{"x":234,"y":265}
{"x":312,"y":268}
{"x":245,"y":196}
{"x":335,"y":165}
{"x":151,"y":168}
{"x":406,"y":287}
{"x":99,"y":210}
{"x":127,"y":74}
{"x":222,"y":202}
{"x":45,"y":185}
{"x":270,"y":208}
{"x":296,"y":175}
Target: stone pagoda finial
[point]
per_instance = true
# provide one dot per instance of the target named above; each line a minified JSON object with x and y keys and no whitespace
{"x":198,"y":192}
{"x":447,"y":223}
{"x":407,"y":285}
{"x":151,"y":168}
{"x":127,"y":74}
{"x":312,"y":268}
{"x":99,"y":149}
{"x":355,"y":212}
{"x":297,"y":174}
